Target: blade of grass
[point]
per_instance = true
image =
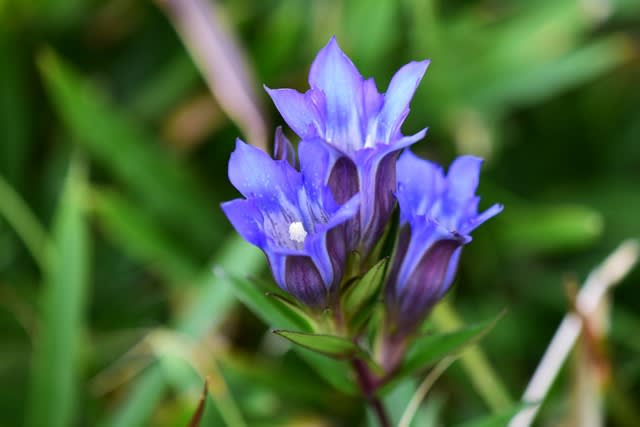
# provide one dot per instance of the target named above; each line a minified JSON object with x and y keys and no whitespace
{"x":56,"y":359}
{"x":165,"y":89}
{"x":546,"y":78}
{"x":16,"y":212}
{"x":140,"y":237}
{"x":207,"y":306}
{"x":484,"y":378}
{"x":134,"y":157}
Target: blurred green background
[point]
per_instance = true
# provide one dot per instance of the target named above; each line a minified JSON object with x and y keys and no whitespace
{"x":113,"y":157}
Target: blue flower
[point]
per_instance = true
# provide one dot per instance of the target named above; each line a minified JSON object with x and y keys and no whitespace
{"x":292,"y":216}
{"x":360,"y":130}
{"x":437,"y":215}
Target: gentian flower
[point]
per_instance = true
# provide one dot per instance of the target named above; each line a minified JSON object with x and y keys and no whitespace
{"x":360,"y":130}
{"x":292,"y":216}
{"x":437,"y":215}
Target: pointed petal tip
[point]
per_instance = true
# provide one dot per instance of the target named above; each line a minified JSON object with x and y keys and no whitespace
{"x":467,"y":162}
{"x":333,"y":43}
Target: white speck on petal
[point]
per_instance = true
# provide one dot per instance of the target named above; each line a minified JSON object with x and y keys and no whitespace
{"x":297,"y":233}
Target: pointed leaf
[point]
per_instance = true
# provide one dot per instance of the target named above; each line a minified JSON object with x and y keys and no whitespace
{"x":333,"y":371}
{"x":429,"y":349}
{"x":197,"y":415}
{"x":365,"y":289}
{"x":271,"y":311}
{"x":294,"y":310}
{"x":164,"y":185}
{"x":57,"y":359}
{"x":330,"y":345}
{"x":141,"y":237}
{"x":500,"y":419}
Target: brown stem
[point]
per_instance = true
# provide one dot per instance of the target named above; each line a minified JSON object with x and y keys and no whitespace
{"x":368,"y":384}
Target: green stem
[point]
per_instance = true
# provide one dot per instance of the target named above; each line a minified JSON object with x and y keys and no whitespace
{"x":368,"y":384}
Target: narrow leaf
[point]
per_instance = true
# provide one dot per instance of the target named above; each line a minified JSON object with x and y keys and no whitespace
{"x":550,"y":229}
{"x":429,"y":349}
{"x":56,"y":361}
{"x":360,"y":298}
{"x":210,"y":300}
{"x":164,"y":184}
{"x":363,"y":290}
{"x":330,"y":345}
{"x":197,"y":416}
{"x":295,"y":310}
{"x":141,"y":237}
{"x":267,"y":308}
{"x":500,"y":419}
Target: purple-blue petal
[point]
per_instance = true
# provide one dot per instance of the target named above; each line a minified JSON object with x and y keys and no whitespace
{"x":333,"y":73}
{"x":283,"y":149}
{"x":344,"y":180}
{"x":246,"y":219}
{"x":477,"y":220}
{"x":463,"y":177}
{"x":298,"y":111}
{"x":315,"y":161}
{"x":258,"y":176}
{"x":420,"y":182}
{"x":397,"y":98}
{"x":427,"y":282}
{"x":304,"y":281}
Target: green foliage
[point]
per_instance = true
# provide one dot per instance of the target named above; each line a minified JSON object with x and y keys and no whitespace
{"x":154,"y":176}
{"x":329,"y":345}
{"x":57,"y":362}
{"x":499,"y":419}
{"x":430,"y":348}
{"x":359,"y":299}
{"x":274,"y":313}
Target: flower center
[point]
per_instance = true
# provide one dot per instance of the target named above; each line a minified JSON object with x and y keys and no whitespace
{"x":297,"y":233}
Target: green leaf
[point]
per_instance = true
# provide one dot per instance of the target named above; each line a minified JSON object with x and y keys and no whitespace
{"x":23,"y":221}
{"x":364,"y":289}
{"x":429,"y":349}
{"x":329,"y":345}
{"x":500,"y":419}
{"x":207,"y":305}
{"x":166,"y":88}
{"x":550,"y":229}
{"x":56,"y":362}
{"x":482,"y":375}
{"x":333,"y":371}
{"x":360,"y":296}
{"x":295,"y":310}
{"x":546,"y":78}
{"x":140,"y":237}
{"x":158,"y":179}
{"x":272,"y":311}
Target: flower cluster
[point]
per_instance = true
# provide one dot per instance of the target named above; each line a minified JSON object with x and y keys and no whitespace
{"x":310,"y":210}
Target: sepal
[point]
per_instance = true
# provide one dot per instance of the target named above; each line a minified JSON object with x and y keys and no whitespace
{"x":360,"y":297}
{"x":330,"y":345}
{"x":428,"y":349}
